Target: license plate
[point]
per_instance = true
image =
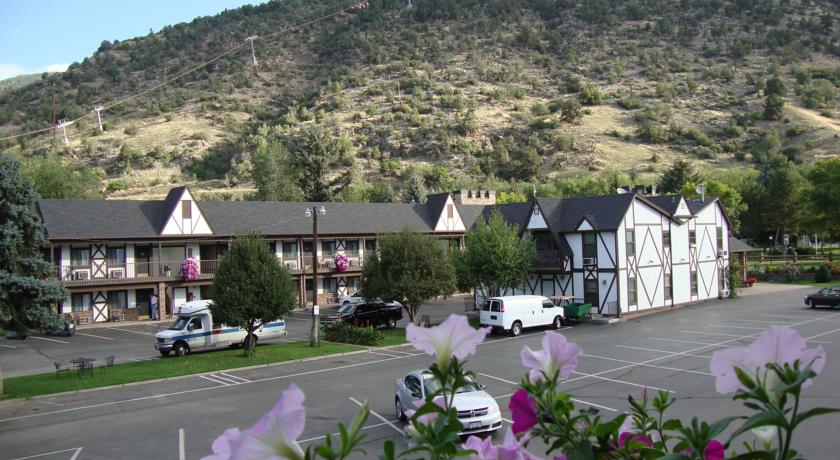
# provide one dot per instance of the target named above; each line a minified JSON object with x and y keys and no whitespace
{"x":474,"y":425}
{"x":492,"y":317}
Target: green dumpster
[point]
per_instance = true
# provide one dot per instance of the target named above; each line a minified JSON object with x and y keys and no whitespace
{"x":576,"y":311}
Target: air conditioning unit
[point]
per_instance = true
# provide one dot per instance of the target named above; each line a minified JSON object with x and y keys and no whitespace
{"x":116,"y":272}
{"x":590,"y":261}
{"x":81,"y":274}
{"x":722,"y":253}
{"x":291,"y":265}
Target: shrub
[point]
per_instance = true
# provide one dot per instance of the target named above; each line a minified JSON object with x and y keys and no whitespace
{"x":590,"y":95}
{"x":570,"y":110}
{"x":347,"y":333}
{"x":651,"y":132}
{"x":116,"y":185}
{"x":823,"y":274}
{"x":630,"y":103}
{"x":130,"y":130}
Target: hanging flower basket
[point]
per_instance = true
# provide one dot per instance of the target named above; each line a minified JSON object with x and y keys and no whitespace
{"x":341,"y":262}
{"x":189,"y":268}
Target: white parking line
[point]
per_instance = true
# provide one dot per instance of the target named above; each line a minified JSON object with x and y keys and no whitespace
{"x":647,"y":365}
{"x":664,"y":351}
{"x":383,"y":354}
{"x":316,"y":438}
{"x":762,"y":321}
{"x":96,"y":336}
{"x":820,"y":335}
{"x":75,"y":450}
{"x":182,"y":450}
{"x":49,"y":340}
{"x":517,"y":384}
{"x":680,"y":341}
{"x":6,"y":346}
{"x":780,"y":316}
{"x":243,"y":380}
{"x":224,"y":379}
{"x":214,"y":380}
{"x":739,"y":327}
{"x":624,"y":382}
{"x":735,"y":335}
{"x":372,"y":412}
{"x":129,"y":330}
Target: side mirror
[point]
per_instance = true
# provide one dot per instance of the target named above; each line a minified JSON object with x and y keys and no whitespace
{"x":190,"y":327}
{"x":482,"y":386}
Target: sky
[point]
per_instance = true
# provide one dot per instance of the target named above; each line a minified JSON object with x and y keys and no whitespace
{"x":48,"y":35}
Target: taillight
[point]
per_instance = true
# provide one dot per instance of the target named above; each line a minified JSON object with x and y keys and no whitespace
{"x":501,"y":307}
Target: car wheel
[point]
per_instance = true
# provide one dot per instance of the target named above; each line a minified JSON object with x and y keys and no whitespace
{"x":398,"y":410}
{"x":180,"y":349}
{"x":558,"y":322}
{"x":164,"y":353}
{"x":813,"y":303}
{"x":516,"y":328}
{"x":392,"y":323}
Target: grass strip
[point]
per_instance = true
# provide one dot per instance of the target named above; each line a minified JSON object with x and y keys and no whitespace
{"x":42,"y":384}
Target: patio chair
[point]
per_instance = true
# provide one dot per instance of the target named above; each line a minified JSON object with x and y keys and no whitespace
{"x":109,"y":361}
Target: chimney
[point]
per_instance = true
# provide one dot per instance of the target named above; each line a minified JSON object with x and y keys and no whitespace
{"x":477,"y":197}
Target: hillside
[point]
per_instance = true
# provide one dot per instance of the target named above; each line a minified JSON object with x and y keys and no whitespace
{"x":450,"y":93}
{"x":19,"y":81}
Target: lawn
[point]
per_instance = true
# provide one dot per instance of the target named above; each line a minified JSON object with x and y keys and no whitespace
{"x":41,"y":384}
{"x":393,"y":337}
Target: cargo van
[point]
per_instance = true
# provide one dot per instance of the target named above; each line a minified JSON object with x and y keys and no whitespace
{"x":516,"y":312}
{"x":194,"y":329}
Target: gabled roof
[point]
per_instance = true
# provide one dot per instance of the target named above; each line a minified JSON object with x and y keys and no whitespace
{"x":668,"y":203}
{"x":604,"y":212}
{"x":513,"y":213}
{"x":695,"y":205}
{"x":77,"y":219}
{"x":169,"y":204}
{"x":435,"y":204}
{"x":736,"y":245}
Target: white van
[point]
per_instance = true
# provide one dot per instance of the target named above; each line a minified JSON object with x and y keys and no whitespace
{"x":515,"y":312}
{"x":193,"y":329}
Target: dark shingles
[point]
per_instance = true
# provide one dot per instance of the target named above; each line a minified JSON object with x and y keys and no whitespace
{"x":74,"y":219}
{"x":513,"y":213}
{"x":736,"y":245}
{"x":668,"y":203}
{"x":603,"y":212}
{"x":434,"y":207}
{"x":169,"y":204}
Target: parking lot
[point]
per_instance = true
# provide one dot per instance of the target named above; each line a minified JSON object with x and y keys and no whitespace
{"x":669,"y":351}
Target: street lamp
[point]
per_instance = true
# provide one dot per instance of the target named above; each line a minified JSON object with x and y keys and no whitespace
{"x":314,"y":212}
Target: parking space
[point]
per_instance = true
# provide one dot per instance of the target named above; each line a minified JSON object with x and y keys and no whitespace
{"x":670,"y":351}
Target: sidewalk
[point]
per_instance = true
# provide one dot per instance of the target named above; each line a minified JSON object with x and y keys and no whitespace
{"x":141,"y":322}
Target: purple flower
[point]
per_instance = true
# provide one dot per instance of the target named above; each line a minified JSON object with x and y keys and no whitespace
{"x":510,"y":449}
{"x":557,"y":356}
{"x":627,"y":436}
{"x":453,"y":337}
{"x":425,"y":419}
{"x":523,"y":410}
{"x":778,"y":344}
{"x":714,"y":450}
{"x":273,"y":436}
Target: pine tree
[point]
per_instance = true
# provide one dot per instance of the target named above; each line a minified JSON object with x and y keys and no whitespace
{"x":27,"y":294}
{"x":674,"y":178}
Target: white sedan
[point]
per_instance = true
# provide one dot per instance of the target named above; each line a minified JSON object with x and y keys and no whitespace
{"x":352,"y":299}
{"x":478,"y":412}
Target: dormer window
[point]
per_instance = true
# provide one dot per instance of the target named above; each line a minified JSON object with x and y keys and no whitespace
{"x":450,"y":211}
{"x":186,"y":209}
{"x":536,"y":211}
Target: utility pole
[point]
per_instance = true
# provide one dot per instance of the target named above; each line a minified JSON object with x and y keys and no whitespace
{"x":253,"y":54}
{"x":63,"y":124}
{"x":97,"y":109}
{"x":313,"y":212}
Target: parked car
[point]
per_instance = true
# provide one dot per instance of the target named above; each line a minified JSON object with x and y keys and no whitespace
{"x":516,"y":312}
{"x":478,"y":412}
{"x":352,"y":299}
{"x":828,"y":296}
{"x":367,"y":314}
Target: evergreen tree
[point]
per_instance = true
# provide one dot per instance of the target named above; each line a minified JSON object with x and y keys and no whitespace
{"x":251,"y":288}
{"x":27,"y":292}
{"x":274,"y":175}
{"x":411,"y":268}
{"x":316,"y":156}
{"x":824,"y":196}
{"x":415,"y":191}
{"x":674,"y":178}
{"x":773,"y":106}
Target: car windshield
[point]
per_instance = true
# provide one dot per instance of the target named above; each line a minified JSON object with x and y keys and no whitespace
{"x":347,"y":309}
{"x":179,"y":324}
{"x":357,"y":294}
{"x":432,"y":385}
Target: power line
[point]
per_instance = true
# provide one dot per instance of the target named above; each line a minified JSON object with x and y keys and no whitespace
{"x":250,"y":40}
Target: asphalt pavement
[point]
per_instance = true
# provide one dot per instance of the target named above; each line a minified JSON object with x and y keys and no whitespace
{"x":669,"y":351}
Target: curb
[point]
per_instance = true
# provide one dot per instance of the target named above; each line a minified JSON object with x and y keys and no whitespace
{"x":5,"y":402}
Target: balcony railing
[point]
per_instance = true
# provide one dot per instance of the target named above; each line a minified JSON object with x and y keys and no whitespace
{"x":549,"y":259}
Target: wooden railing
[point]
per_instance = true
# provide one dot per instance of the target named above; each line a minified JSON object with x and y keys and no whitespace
{"x":549,"y":259}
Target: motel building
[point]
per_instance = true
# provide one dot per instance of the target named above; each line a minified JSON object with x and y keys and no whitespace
{"x":624,"y":253}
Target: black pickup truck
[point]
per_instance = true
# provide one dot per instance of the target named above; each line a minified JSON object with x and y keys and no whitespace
{"x":367,"y":314}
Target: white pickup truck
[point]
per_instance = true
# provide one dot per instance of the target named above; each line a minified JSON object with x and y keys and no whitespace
{"x":193,"y":329}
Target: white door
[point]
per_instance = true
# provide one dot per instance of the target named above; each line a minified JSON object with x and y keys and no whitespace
{"x":195,"y":332}
{"x":549,"y":312}
{"x":532,"y":311}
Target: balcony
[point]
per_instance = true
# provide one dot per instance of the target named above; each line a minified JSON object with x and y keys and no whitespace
{"x":549,"y":259}
{"x":123,"y":273}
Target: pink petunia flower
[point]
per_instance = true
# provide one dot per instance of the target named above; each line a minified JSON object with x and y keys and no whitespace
{"x":273,"y":436}
{"x":557,"y":356}
{"x":453,"y":337}
{"x":425,"y":419}
{"x":714,"y":450}
{"x":510,"y":449}
{"x":627,"y":436}
{"x":523,"y":410}
{"x":778,"y":344}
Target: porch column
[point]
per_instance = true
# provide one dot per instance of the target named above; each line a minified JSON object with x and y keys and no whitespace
{"x":161,"y":293}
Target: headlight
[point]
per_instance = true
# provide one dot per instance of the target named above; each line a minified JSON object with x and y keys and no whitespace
{"x":493,"y":409}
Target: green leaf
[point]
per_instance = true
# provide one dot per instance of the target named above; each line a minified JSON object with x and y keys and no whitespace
{"x":583,"y":452}
{"x":813,"y":413}
{"x":717,"y":427}
{"x":755,"y":455}
{"x":673,"y":424}
{"x":759,"y":420}
{"x":388,"y":451}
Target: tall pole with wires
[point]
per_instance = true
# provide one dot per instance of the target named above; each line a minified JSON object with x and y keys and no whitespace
{"x":97,"y":109}
{"x":253,"y":53}
{"x":53,"y":112}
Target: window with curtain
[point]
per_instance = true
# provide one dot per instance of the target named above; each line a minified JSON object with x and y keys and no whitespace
{"x":289,"y":250}
{"x":631,"y":242}
{"x":631,"y":292}
{"x":328,"y":247}
{"x":668,"y":289}
{"x":590,"y":248}
{"x":351,"y":247}
{"x":80,"y":257}
{"x":115,"y":255}
{"x":666,"y":238}
{"x":117,"y":299}
{"x":692,"y":237}
{"x":693,"y":283}
{"x":81,"y":301}
{"x":329,"y":285}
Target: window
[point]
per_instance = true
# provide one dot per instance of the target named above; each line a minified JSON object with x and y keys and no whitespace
{"x":536,"y":211}
{"x":117,"y":299}
{"x":547,"y":304}
{"x":720,"y":239}
{"x":186,"y":209}
{"x":590,"y":249}
{"x":370,"y":245}
{"x":693,"y":283}
{"x":631,"y":242}
{"x":328,"y":247}
{"x":289,"y":250}
{"x":495,"y":306}
{"x":115,"y":255}
{"x":351,"y":247}
{"x":666,"y":239}
{"x":81,"y":301}
{"x":80,"y":257}
{"x":721,"y":279}
{"x":412,"y":383}
{"x":329,"y":285}
{"x":692,"y":237}
{"x":450,"y":211}
{"x":668,"y":289}
{"x":631,"y":292}
{"x":195,"y":324}
{"x":353,"y":283}
{"x":590,"y":292}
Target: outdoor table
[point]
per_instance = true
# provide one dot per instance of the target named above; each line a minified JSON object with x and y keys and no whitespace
{"x":559,"y":300}
{"x":83,"y":364}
